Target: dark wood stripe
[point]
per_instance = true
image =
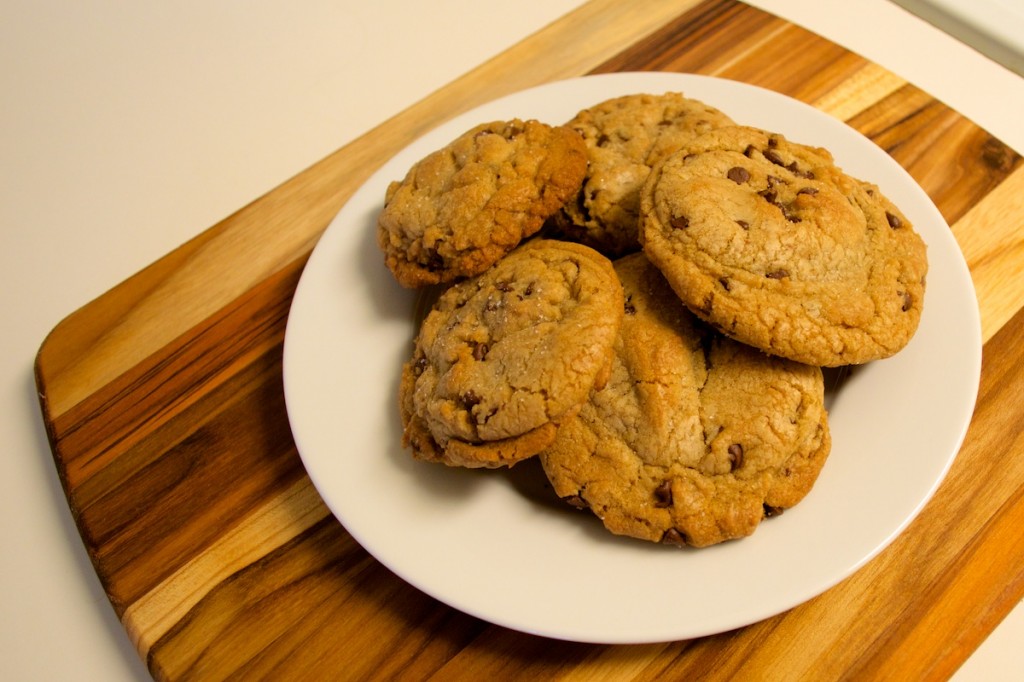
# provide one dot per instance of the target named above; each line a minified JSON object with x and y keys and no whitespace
{"x":304,"y":609}
{"x":198,"y":434}
{"x":699,"y":41}
{"x":97,"y":431}
{"x":955,"y":162}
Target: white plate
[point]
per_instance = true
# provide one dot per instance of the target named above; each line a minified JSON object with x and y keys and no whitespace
{"x":489,"y":543}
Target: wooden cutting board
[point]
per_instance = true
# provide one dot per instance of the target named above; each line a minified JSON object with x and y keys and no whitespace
{"x":164,"y":407}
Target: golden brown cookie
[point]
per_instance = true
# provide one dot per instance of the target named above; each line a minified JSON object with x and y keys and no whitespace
{"x":461,"y":208}
{"x":503,"y":358}
{"x":695,"y":438}
{"x":626,"y":136}
{"x":769,"y":241}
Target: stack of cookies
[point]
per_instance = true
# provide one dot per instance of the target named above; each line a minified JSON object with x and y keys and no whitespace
{"x":643,"y":298}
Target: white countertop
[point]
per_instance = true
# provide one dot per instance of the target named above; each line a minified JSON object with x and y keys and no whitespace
{"x":128,"y":128}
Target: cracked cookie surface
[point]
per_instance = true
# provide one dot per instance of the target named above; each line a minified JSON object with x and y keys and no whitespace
{"x":695,"y":438}
{"x":461,"y":208}
{"x":769,"y":241}
{"x":503,"y":358}
{"x":627,"y":136}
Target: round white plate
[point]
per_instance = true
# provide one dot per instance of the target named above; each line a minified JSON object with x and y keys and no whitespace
{"x":492,"y":544}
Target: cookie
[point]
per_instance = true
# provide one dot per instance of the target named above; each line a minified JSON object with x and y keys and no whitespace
{"x":695,"y":438}
{"x":769,"y":241}
{"x":505,"y":357}
{"x":626,"y":136}
{"x":463,"y":207}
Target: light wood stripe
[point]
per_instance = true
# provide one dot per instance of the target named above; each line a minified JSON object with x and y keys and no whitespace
{"x":283,"y":518}
{"x":868,"y":86}
{"x":991,"y":235}
{"x":750,"y":48}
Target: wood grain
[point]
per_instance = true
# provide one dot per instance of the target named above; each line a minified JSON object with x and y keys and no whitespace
{"x":164,"y":407}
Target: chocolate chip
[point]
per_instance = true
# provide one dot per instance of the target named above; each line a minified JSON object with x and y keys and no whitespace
{"x":770,"y":511}
{"x":724,"y":282}
{"x":735,"y":456}
{"x":479,"y":351}
{"x":770,"y":196}
{"x":894,"y":220}
{"x":629,"y":308}
{"x":908,"y":302}
{"x":576,"y":501}
{"x":469,"y":400}
{"x":795,"y":170}
{"x":602,"y":140}
{"x":749,"y":151}
{"x":738,"y":174}
{"x":777,"y":274}
{"x":420,"y":366}
{"x":679,"y":222}
{"x":674,"y":537}
{"x":744,"y":224}
{"x":774,"y":157}
{"x":663,"y":495}
{"x":807,"y":190}
{"x":504,"y":287}
{"x":706,"y":304}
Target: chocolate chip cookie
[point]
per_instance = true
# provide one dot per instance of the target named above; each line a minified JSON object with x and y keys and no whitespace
{"x":626,"y":136}
{"x":772,"y":243}
{"x":505,"y":357}
{"x":463,"y":207}
{"x":695,"y":438}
